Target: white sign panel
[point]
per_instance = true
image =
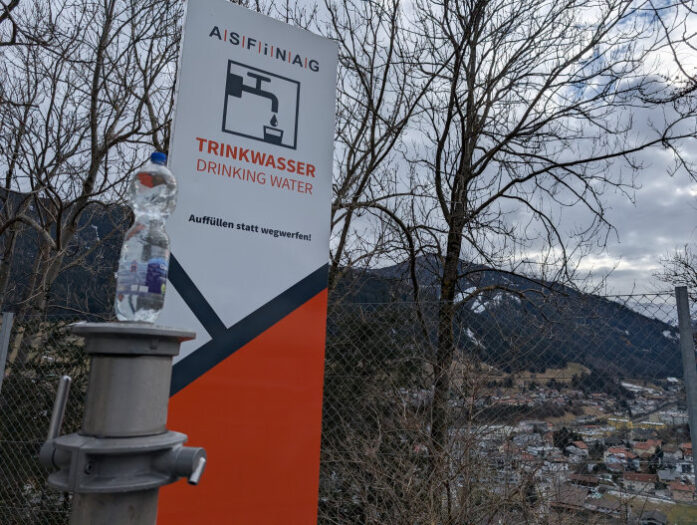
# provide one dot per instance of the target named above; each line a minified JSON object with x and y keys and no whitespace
{"x":252,"y":153}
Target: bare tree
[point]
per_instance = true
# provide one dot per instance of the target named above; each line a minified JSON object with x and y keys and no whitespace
{"x":8,"y":25}
{"x":88,"y":103}
{"x":376,"y":429}
{"x":98,"y":92}
{"x":680,"y":269}
{"x":540,"y":107}
{"x":378,"y":95}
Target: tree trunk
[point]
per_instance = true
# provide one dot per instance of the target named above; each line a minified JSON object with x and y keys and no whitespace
{"x":440,"y":415}
{"x":444,"y":349}
{"x":27,"y":310}
{"x":48,"y":277}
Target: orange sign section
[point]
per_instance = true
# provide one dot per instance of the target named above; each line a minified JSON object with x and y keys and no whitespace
{"x":258,"y":415}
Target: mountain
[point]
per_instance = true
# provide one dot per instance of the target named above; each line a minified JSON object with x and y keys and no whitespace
{"x":520,"y":324}
{"x":524,"y":324}
{"x":86,"y":284}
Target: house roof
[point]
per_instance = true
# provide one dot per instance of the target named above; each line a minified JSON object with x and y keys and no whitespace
{"x":525,"y":456}
{"x":584,"y":479}
{"x":646,"y":445}
{"x":666,"y":475}
{"x":621,"y":451}
{"x":681,"y":487}
{"x":640,"y":476}
{"x":581,"y":445}
{"x":570,"y":496}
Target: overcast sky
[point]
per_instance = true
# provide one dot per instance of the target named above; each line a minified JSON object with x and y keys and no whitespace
{"x":662,"y":218}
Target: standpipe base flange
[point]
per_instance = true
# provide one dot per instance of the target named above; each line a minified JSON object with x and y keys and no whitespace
{"x":101,"y":465}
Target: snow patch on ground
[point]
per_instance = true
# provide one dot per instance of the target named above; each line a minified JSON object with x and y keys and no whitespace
{"x":668,"y":334}
{"x":474,"y":339}
{"x":465,"y":293}
{"x":497,"y":299}
{"x":480,"y":303}
{"x":479,"y":306}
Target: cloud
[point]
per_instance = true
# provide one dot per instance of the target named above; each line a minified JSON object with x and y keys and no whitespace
{"x":662,"y":217}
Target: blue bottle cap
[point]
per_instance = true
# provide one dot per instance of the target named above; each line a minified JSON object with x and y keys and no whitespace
{"x":159,"y":158}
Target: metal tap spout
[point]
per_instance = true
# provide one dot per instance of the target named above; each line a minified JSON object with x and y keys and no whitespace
{"x":236,"y":86}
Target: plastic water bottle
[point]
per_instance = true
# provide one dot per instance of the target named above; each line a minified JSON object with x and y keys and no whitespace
{"x":142,"y":275}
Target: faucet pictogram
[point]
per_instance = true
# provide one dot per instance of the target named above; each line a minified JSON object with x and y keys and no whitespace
{"x":248,"y":116}
{"x":236,"y":86}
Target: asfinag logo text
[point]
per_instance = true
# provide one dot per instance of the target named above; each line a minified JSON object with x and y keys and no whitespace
{"x":267,"y":49}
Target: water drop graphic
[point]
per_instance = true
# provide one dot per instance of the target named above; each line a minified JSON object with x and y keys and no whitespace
{"x":274,"y":120}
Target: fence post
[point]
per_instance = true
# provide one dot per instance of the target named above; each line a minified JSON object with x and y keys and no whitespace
{"x":5,"y":331}
{"x":687,"y":348}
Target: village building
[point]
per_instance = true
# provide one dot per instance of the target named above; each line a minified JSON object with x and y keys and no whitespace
{"x":682,"y":492}
{"x":639,"y":481}
{"x":686,"y":449}
{"x":646,"y":447}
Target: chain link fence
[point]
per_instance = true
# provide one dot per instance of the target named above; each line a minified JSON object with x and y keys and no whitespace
{"x":40,"y":352}
{"x":561,"y":409}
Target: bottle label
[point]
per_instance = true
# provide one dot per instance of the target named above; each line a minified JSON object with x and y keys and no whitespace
{"x":143,"y":279}
{"x":156,"y":275}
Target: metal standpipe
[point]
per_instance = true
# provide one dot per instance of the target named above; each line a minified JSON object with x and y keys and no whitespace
{"x":123,"y":453}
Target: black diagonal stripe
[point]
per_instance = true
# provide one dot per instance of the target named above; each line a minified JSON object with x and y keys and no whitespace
{"x":219,"y":348}
{"x":194,"y":299}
